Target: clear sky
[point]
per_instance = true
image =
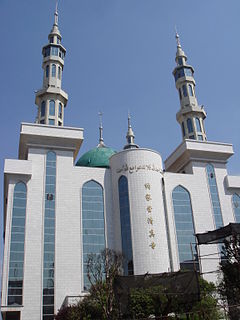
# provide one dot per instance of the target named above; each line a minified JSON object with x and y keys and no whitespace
{"x":120,"y":57}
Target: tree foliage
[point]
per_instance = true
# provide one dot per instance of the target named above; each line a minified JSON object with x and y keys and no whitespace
{"x":229,"y":286}
{"x":101,"y":302}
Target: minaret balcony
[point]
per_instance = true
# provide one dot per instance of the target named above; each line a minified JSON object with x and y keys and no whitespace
{"x":50,"y":91}
{"x":51,"y":58}
{"x":197,"y":111}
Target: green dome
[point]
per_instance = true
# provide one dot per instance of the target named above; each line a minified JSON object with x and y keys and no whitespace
{"x":97,"y":157}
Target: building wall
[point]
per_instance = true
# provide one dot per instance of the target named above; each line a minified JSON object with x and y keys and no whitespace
{"x":143,"y":169}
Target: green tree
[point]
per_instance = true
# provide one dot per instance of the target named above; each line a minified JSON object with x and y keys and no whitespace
{"x":229,"y":286}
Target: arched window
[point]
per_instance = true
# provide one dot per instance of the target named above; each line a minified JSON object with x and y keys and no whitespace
{"x":214,"y":196}
{"x":236,"y":207}
{"x":15,"y":276}
{"x":190,"y":90}
{"x":198,"y":125}
{"x":189,"y":125}
{"x":183,"y":129}
{"x":180,"y":93}
{"x":43,"y":105}
{"x":184,"y":90}
{"x":47,"y":71}
{"x":184,"y":226}
{"x":49,"y":237}
{"x":53,"y":70}
{"x":93,"y":226}
{"x":125,"y":225}
{"x":59,"y":73}
{"x":52,"y":108}
{"x":60,"y":110}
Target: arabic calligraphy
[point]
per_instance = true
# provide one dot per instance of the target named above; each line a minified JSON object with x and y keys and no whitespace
{"x":136,"y":168}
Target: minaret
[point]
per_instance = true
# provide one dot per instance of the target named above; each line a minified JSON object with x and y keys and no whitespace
{"x":190,"y":116}
{"x":51,"y":99}
{"x":101,"y":142}
{"x":130,"y":136}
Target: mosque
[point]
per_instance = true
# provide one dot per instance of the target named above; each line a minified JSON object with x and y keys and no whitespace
{"x":59,"y":207}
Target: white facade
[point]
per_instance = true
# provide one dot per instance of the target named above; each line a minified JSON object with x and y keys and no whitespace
{"x":149,"y":210}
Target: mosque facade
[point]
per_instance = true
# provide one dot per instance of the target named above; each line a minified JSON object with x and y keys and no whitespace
{"x":58,"y":208}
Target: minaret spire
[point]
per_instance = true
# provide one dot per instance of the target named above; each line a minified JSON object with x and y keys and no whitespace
{"x":130,"y":136}
{"x":56,"y":14}
{"x":190,"y":116}
{"x":51,"y":99}
{"x":101,"y":142}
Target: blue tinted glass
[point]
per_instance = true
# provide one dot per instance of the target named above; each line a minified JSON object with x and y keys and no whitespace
{"x":92,"y":222}
{"x":183,"y":129}
{"x":49,"y":236}
{"x":54,"y":51}
{"x":214,"y":196}
{"x":198,"y":125}
{"x":180,"y":61}
{"x":184,"y":225}
{"x":236,"y":206}
{"x":43,"y":108}
{"x":17,"y":245}
{"x":53,"y":70}
{"x":52,"y":108}
{"x":184,"y":88}
{"x":59,"y":73}
{"x":47,"y":71}
{"x":189,"y":125}
{"x":125,"y":225}
{"x":51,"y":122}
{"x":180,"y":93}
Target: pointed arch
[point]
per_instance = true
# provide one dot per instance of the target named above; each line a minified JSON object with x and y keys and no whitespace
{"x":125,"y":225}
{"x":16,"y":262}
{"x":214,"y":196}
{"x":184,"y":225}
{"x":236,"y":206}
{"x":93,"y":223}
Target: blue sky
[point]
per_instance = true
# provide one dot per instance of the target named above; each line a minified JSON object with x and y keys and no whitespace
{"x":120,"y":57}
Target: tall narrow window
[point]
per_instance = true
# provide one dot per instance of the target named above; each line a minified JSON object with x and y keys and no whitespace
{"x":183,"y":129}
{"x":47,"y":71}
{"x":198,"y":125}
{"x":236,"y":207}
{"x":49,"y":237}
{"x":184,"y":226}
{"x":125,"y":225}
{"x":93,"y":226}
{"x":53,"y":70}
{"x":214,"y":196}
{"x":189,"y":125}
{"x":60,"y":110}
{"x":184,"y":90}
{"x":180,"y":93}
{"x":15,"y":276}
{"x":190,"y":90}
{"x":43,"y":105}
{"x":52,"y":108}
{"x":59,"y":73}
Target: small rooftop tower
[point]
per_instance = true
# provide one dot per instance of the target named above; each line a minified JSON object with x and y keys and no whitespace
{"x":51,"y":99}
{"x":130,"y":136}
{"x":191,"y":116}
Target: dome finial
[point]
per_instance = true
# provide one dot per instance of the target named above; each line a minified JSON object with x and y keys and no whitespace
{"x":101,"y":142}
{"x":56,"y":14}
{"x":130,"y":135}
{"x":177,"y":38}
